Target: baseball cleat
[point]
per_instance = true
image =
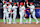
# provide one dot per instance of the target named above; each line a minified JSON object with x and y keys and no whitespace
{"x":20,"y":23}
{"x":4,"y":23}
{"x":14,"y":23}
{"x":37,"y":22}
{"x":29,"y":22}
{"x":9,"y":22}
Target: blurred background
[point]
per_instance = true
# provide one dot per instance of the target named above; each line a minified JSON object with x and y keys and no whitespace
{"x":35,"y":2}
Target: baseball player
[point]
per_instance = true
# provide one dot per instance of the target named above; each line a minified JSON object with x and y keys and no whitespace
{"x":22,"y":8}
{"x":5,"y":12}
{"x":14,"y":12}
{"x":9,"y":11}
{"x":32,"y":12}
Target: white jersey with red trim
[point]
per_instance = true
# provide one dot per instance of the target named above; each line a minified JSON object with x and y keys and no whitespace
{"x":14,"y":13}
{"x":15,"y":8}
{"x":9,"y":8}
{"x":31,"y":8}
{"x":22,"y":9}
{"x":4,"y":7}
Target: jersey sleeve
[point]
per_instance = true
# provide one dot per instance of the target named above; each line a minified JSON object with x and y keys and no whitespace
{"x":33,"y":7}
{"x":16,"y":7}
{"x":12,"y":7}
{"x":24,"y":8}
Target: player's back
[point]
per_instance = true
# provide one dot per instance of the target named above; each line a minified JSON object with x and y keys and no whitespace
{"x":9,"y":7}
{"x":4,"y":6}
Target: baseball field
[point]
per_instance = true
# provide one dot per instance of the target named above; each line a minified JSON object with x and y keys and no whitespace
{"x":20,"y":25}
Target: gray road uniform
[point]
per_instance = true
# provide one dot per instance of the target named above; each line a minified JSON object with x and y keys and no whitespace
{"x":5,"y":13}
{"x":21,"y":12}
{"x":14,"y":13}
{"x":32,"y":10}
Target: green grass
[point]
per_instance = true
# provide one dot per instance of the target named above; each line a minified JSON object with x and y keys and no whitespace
{"x":18,"y":20}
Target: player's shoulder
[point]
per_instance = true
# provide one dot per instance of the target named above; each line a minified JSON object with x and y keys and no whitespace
{"x":10,"y":5}
{"x":3,"y":5}
{"x":16,"y":6}
{"x":13,"y":6}
{"x":23,"y":6}
{"x":32,"y":5}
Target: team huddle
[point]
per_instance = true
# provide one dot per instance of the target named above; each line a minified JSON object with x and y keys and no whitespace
{"x":8,"y":10}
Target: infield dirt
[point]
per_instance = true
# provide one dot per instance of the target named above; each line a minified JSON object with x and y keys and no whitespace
{"x":19,"y":25}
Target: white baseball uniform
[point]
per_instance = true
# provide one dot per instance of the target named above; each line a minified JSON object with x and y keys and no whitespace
{"x":14,"y":13}
{"x":9,"y":9}
{"x":21,"y":12}
{"x":5,"y":13}
{"x":32,"y":10}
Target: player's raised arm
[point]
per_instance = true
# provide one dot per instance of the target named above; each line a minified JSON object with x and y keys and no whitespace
{"x":27,"y":5}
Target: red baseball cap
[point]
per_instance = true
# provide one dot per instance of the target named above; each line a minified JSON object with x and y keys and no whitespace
{"x":9,"y":2}
{"x":4,"y":1}
{"x":14,"y":3}
{"x":21,"y":3}
{"x":31,"y":3}
{"x":26,"y":0}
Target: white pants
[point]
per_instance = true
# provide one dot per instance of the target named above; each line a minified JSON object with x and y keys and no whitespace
{"x":22,"y":16}
{"x":33,"y":14}
{"x":9,"y":17}
{"x":5,"y":16}
{"x":14,"y":16}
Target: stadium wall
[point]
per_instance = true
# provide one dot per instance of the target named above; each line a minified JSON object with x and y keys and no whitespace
{"x":37,"y":12}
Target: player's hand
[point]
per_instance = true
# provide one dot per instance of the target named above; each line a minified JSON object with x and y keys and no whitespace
{"x":24,"y":3}
{"x":25,"y":15}
{"x":27,"y":3}
{"x":28,"y":11}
